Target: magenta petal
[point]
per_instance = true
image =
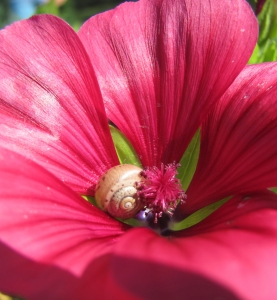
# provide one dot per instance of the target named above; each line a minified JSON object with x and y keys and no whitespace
{"x":238,"y":142}
{"x":46,"y":229}
{"x":34,"y":281}
{"x":237,"y":260}
{"x":51,"y":108}
{"x":161,"y":65}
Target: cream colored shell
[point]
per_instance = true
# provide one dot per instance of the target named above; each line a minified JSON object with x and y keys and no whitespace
{"x":116,"y":189}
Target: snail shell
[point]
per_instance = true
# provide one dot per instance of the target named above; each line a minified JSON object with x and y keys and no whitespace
{"x":116,"y":191}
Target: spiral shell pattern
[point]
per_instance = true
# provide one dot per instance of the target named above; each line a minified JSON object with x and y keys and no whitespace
{"x":116,"y":191}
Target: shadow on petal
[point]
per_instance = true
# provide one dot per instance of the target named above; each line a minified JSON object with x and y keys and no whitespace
{"x":150,"y":280}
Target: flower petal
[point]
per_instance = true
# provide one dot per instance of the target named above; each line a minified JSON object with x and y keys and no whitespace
{"x":238,"y":144}
{"x":51,"y":108}
{"x":32,"y":280}
{"x":49,"y":236}
{"x":162,"y":64}
{"x":236,"y":260}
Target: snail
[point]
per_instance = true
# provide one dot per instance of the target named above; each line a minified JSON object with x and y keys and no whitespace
{"x":116,"y":191}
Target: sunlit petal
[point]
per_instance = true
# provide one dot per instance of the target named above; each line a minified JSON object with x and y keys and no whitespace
{"x":238,"y":142}
{"x":161,"y":65}
{"x":44,"y":222}
{"x":51,"y":108}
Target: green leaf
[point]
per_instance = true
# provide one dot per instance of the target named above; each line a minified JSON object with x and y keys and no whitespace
{"x":255,"y":57}
{"x":89,"y":199}
{"x":198,"y":216}
{"x":268,"y":22}
{"x":266,"y":49}
{"x":125,"y":151}
{"x":189,"y":161}
{"x":273,"y":190}
{"x":132,"y":222}
{"x":269,"y":51}
{"x":265,"y":53}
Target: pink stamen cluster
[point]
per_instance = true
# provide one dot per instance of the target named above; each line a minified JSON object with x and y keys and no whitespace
{"x":161,"y":191}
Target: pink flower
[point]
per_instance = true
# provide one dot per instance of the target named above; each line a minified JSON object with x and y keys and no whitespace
{"x":163,"y":68}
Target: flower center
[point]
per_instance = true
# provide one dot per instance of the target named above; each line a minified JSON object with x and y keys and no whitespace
{"x":160,"y":191}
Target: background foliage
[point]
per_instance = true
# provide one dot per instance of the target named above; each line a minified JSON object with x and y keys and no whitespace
{"x":74,"y":12}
